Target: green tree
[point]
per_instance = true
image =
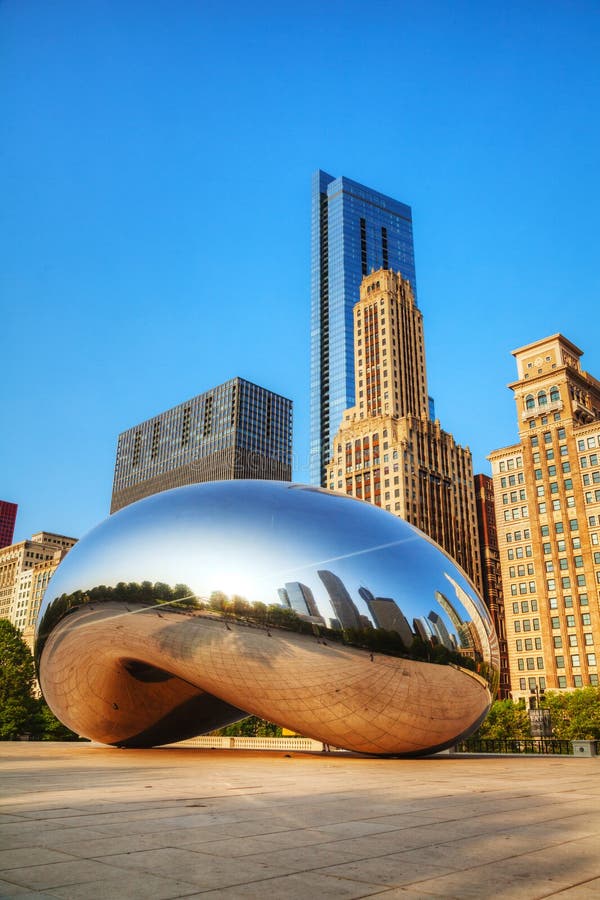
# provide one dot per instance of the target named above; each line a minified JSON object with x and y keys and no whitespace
{"x":506,"y":721}
{"x":20,"y":711}
{"x":252,"y":726}
{"x":47,"y":727}
{"x":575,"y":715}
{"x":17,"y":677}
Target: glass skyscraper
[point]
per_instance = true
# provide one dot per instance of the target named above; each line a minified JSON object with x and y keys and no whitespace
{"x":354,"y":231}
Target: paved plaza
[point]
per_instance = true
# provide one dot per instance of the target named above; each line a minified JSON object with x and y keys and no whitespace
{"x":81,"y":821}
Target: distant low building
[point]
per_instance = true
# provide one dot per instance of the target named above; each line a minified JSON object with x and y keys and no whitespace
{"x":25,"y":572}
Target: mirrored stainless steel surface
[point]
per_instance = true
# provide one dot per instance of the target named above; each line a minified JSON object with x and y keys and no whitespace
{"x":325,"y":614}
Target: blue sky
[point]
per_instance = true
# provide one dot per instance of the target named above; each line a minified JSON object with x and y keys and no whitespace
{"x":155,"y":213}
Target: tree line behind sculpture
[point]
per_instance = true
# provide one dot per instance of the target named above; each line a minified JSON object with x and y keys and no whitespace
{"x":180,"y":599}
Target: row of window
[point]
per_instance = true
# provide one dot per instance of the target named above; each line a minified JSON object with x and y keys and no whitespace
{"x":525,"y":606}
{"x":530,"y":663}
{"x":519,"y":552}
{"x":519,"y":571}
{"x":590,"y":443}
{"x":542,"y":398}
{"x":526,"y":625}
{"x":517,"y":512}
{"x":588,"y":640}
{"x":570,"y":621}
{"x":522,"y":588}
{"x":512,"y":480}
{"x":530,"y":644}
{"x":537,"y":662}
{"x":562,"y":682}
{"x":508,"y":464}
{"x":553,"y":486}
{"x":576,"y":660}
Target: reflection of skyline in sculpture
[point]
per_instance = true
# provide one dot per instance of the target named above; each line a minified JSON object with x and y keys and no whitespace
{"x":465,"y":637}
{"x":344,"y":607}
{"x":388,"y":615}
{"x":301,"y":598}
{"x":183,"y":588}
{"x":479,"y":639}
{"x":441,"y":630}
{"x":424,"y":629}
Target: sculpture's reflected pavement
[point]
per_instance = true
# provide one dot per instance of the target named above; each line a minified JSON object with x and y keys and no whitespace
{"x":195,"y":607}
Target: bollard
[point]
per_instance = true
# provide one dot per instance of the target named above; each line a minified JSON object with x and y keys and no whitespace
{"x":584,"y":748}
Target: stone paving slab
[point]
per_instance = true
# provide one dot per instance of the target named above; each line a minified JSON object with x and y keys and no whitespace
{"x":84,"y":822}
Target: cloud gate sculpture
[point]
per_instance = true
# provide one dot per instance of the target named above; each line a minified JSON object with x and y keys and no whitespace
{"x":195,"y":607}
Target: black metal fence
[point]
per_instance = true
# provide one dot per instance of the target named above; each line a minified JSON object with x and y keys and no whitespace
{"x":547,"y":746}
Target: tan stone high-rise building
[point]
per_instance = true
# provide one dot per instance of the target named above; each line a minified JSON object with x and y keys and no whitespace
{"x":25,"y":570}
{"x":547,"y":496}
{"x":387,"y":449}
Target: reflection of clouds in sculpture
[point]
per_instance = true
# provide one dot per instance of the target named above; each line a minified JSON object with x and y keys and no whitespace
{"x":324,"y":560}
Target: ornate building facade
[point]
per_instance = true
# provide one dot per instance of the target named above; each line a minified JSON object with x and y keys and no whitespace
{"x":388,"y":450}
{"x":25,"y":571}
{"x":547,"y":498}
{"x":354,"y":231}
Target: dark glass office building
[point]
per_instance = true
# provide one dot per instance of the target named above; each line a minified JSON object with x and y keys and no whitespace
{"x":235,"y":430}
{"x":354,"y":231}
{"x":8,"y":517}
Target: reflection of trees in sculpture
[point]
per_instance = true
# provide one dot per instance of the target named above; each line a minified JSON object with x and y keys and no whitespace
{"x":400,"y":642}
{"x":179,"y":597}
